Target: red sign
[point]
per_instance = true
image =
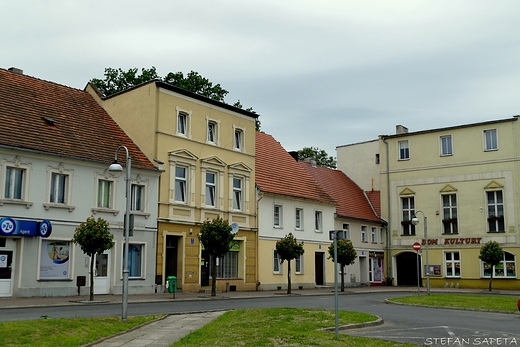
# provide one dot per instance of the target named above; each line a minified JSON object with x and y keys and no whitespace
{"x":416,"y":246}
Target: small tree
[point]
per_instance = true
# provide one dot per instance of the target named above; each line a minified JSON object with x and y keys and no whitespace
{"x":319,"y":155}
{"x":288,"y":249}
{"x":346,"y":256}
{"x":94,"y":237}
{"x":216,"y":237}
{"x":491,"y":253}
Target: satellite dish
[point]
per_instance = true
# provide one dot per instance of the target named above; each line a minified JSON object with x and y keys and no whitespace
{"x":234,"y":228}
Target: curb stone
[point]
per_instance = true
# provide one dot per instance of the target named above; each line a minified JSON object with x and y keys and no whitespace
{"x":378,"y":321}
{"x":387,"y":301}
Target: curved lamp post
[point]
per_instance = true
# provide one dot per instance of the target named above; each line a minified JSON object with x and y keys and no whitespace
{"x":115,"y":167}
{"x":415,"y":221}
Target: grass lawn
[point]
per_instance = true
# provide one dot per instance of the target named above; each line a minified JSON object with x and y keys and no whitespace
{"x":280,"y":327}
{"x":483,"y":302}
{"x":64,"y":332}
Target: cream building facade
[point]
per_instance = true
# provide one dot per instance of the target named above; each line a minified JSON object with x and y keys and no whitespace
{"x":207,"y":151}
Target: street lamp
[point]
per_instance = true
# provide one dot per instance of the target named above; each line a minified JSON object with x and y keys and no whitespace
{"x":415,"y":221}
{"x":115,"y":167}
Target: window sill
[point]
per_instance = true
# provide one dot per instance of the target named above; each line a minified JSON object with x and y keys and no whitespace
{"x":141,"y":213}
{"x":450,"y":233}
{"x":318,"y":231}
{"x":408,"y":235}
{"x":496,"y":232}
{"x":27,"y":204}
{"x":50,"y":205}
{"x":500,"y":278}
{"x":104,"y":210}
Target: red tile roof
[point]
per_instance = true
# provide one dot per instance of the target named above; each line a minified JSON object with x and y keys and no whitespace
{"x":278,"y":173}
{"x":46,"y":117}
{"x":375,"y":199}
{"x":351,"y":198}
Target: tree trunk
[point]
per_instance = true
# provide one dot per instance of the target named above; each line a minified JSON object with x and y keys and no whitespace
{"x":288,"y":277}
{"x":214,"y":276}
{"x":491,"y":279}
{"x":342,"y":277}
{"x":92,"y":260}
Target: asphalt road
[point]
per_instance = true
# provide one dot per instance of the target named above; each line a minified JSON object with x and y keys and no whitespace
{"x":418,"y":325}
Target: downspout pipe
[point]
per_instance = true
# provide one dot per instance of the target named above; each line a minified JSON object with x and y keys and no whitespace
{"x":389,"y":280}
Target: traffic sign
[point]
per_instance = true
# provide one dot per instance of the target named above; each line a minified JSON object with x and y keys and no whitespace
{"x":416,"y":246}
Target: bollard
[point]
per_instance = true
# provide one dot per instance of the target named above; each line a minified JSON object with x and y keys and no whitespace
{"x":518,"y":304}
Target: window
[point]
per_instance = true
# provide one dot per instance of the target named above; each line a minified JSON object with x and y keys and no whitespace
{"x":490,"y":140}
{"x":373,"y":234}
{"x":298,"y":264}
{"x":14,"y":183}
{"x":277,"y":266}
{"x":135,"y":260}
{"x":449,"y":214}
{"x":452,"y":261}
{"x":104,"y":194}
{"x":346,"y":228}
{"x":506,"y":268}
{"x":408,"y":212}
{"x":227,"y":266}
{"x":212,"y":132}
{"x":446,"y":147}
{"x":237,"y":193}
{"x":381,"y":235}
{"x":318,"y":227}
{"x":404,"y":150}
{"x":364,"y":229}
{"x":277,"y":216}
{"x":137,"y":198}
{"x":298,"y":223}
{"x":211,"y":188}
{"x":239,"y":139}
{"x":495,"y":207}
{"x":58,"y":188}
{"x":182,"y":124}
{"x":180,"y":183}
{"x":377,"y":158}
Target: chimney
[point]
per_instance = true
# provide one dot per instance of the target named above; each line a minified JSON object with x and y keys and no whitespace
{"x":400,"y":129}
{"x":16,"y":70}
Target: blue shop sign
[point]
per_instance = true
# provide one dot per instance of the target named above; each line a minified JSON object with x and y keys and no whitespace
{"x":9,"y":226}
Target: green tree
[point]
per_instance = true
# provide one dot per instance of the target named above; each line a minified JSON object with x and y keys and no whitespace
{"x":215,"y":235}
{"x":319,"y":155}
{"x":94,"y":237}
{"x":492,"y":254}
{"x":117,"y":80}
{"x":288,"y":249}
{"x":197,"y":84}
{"x":346,"y":256}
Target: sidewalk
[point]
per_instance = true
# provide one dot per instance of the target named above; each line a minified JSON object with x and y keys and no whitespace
{"x":173,"y":327}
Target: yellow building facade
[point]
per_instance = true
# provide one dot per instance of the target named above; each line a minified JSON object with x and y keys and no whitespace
{"x":207,"y":152}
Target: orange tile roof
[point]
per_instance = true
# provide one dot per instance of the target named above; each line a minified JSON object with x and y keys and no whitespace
{"x":351,"y":198}
{"x":278,"y":173}
{"x":46,"y":117}
{"x":375,"y":199}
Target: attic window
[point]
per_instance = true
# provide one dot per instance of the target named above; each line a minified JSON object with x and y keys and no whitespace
{"x":49,"y":121}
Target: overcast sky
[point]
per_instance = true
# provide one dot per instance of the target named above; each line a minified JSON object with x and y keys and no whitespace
{"x":320,"y":73}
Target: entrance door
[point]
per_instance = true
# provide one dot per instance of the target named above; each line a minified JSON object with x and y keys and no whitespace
{"x":319,"y":262}
{"x":6,"y":274}
{"x":171,"y":256}
{"x":406,"y":263}
{"x":101,"y":274}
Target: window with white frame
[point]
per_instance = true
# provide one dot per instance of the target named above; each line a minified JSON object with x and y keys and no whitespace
{"x":59,"y":188}
{"x":404,"y":150}
{"x":212,"y":132}
{"x":137,"y":197}
{"x":298,"y":264}
{"x":104,"y":194}
{"x":452,"y":263}
{"x":505,"y":269}
{"x":495,"y":208}
{"x":277,"y":266}
{"x":182,"y":123}
{"x":449,"y":214}
{"x":318,"y":221}
{"x":239,"y":139}
{"x":407,"y":213}
{"x":211,"y":189}
{"x":373,"y":234}
{"x":227,"y":266}
{"x":298,"y":215}
{"x":237,"y":194}
{"x":277,"y":216}
{"x":14,"y":183}
{"x":181,"y":183}
{"x":490,"y":140}
{"x":346,"y":228}
{"x":446,"y":145}
{"x":364,"y":236}
{"x":135,"y":260}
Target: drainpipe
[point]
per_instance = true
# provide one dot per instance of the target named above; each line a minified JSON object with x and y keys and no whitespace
{"x":389,"y":218}
{"x":257,"y":283}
